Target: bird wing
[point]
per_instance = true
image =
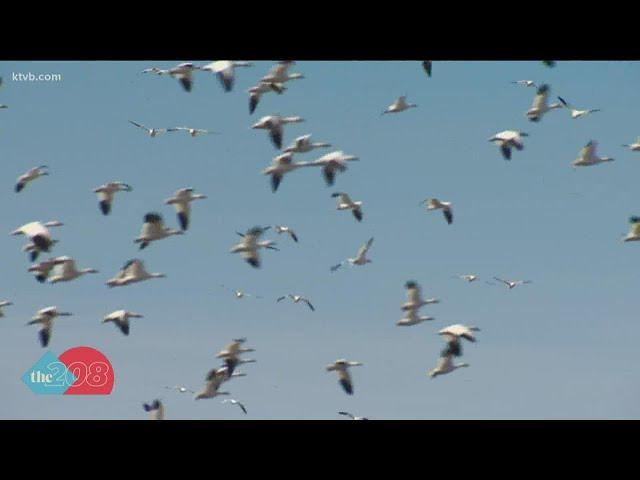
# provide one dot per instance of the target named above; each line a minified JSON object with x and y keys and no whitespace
{"x":309,"y":304}
{"x":365,"y":248}
{"x":588,"y":151}
{"x":540,"y":100}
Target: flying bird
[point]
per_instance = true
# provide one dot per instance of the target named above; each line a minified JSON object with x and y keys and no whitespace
{"x":513,"y":283}
{"x":359,"y":259}
{"x":132,"y":272}
{"x":412,"y":318}
{"x":427,"y":66}
{"x":250,"y":245}
{"x":184,"y":74}
{"x":153,"y":229}
{"x":540,"y":104}
{"x":274,"y":124}
{"x":181,"y":201}
{"x":213,"y":380}
{"x":635,"y":146}
{"x":279,"y":73}
{"x":452,"y":334}
{"x":345,"y":203}
{"x":180,"y":389}
{"x":549,"y":63}
{"x":43,"y":269}
{"x":106,"y":194}
{"x":446,"y":207}
{"x":66,"y":270}
{"x":525,"y":83}
{"x":332,"y":163}
{"x":156,"y":408}
{"x":588,"y":156}
{"x":414,"y":297}
{"x":445,"y":365}
{"x":256,"y":92}
{"x":194,"y":132}
{"x":282,"y":229}
{"x":30,"y":176}
{"x":152,"y":132}
{"x":634,"y":230}
{"x":225,"y":71}
{"x":281,"y":165}
{"x":235,"y":402}
{"x":468,"y":278}
{"x":120,"y":318}
{"x":240,"y":294}
{"x":575,"y":113}
{"x":352,"y":417}
{"x":507,"y":140}
{"x":342,"y":366}
{"x":297,"y":299}
{"x":400,"y":105}
{"x":304,"y":144}
{"x":3,"y":304}
{"x":44,"y":318}
{"x":39,"y":236}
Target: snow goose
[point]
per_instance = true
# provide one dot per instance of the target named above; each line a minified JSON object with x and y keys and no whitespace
{"x":468,"y":277}
{"x":194,"y":132}
{"x":297,"y":299}
{"x":345,"y":203}
{"x":525,"y":83}
{"x":153,"y":229}
{"x":250,"y":245}
{"x":575,"y":113}
{"x":427,"y":66}
{"x":184,"y":74}
{"x":342,"y":367}
{"x":400,"y":105}
{"x":132,"y":272}
{"x":256,"y":92}
{"x":282,"y":229}
{"x":446,"y":207}
{"x":230,"y":354}
{"x":635,"y":146}
{"x":332,"y":163}
{"x":44,"y":318}
{"x":445,"y":365}
{"x":180,"y":389}
{"x":3,"y":304}
{"x":155,"y":71}
{"x":588,"y":156}
{"x":67,"y":270}
{"x":634,"y":230}
{"x":540,"y":104}
{"x":213,"y":380}
{"x":43,"y":269}
{"x":414,"y":297}
{"x":360,"y":258}
{"x":412,"y":318}
{"x":106,"y":194}
{"x":281,"y":165}
{"x":274,"y":124}
{"x":279,"y":73}
{"x":507,"y":140}
{"x":513,"y":283}
{"x":39,"y":235}
{"x":30,"y":176}
{"x":304,"y":144}
{"x":453,"y":334}
{"x":240,"y":294}
{"x":152,"y":132}
{"x":233,"y":401}
{"x":181,"y":200}
{"x":120,"y":318}
{"x":155,"y":408}
{"x":225,"y":71}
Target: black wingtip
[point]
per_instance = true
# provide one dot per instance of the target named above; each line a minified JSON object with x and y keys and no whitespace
{"x":105,"y":207}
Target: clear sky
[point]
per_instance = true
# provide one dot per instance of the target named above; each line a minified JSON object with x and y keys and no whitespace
{"x":562,"y":347}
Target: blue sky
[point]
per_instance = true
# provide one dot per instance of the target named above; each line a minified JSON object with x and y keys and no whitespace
{"x":562,"y":347}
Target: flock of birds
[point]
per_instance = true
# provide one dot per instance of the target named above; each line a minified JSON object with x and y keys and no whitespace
{"x":64,"y":268}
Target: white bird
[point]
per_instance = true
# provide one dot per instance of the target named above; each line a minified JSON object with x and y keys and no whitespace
{"x":540,"y":104}
{"x":67,"y":271}
{"x":588,"y":156}
{"x":256,"y":92}
{"x":156,"y":408}
{"x":274,"y":124}
{"x":332,"y":163}
{"x":225,"y":71}
{"x":453,"y":334}
{"x":360,"y":258}
{"x":180,"y":389}
{"x":250,"y":244}
{"x":39,"y":236}
{"x":194,"y":132}
{"x":106,"y":194}
{"x":43,"y":269}
{"x":30,"y":176}
{"x":525,"y":83}
{"x":235,"y":402}
{"x":575,"y":113}
{"x":345,"y":203}
{"x":507,"y":140}
{"x":153,"y":229}
{"x":279,"y":73}
{"x":155,"y":71}
{"x":446,"y":207}
{"x":634,"y":230}
{"x":184,"y":74}
{"x":213,"y":380}
{"x":414,"y":297}
{"x":132,"y":272}
{"x":446,"y":365}
{"x":352,"y":417}
{"x":635,"y":146}
{"x":120,"y":318}
{"x":513,"y":283}
{"x":344,"y":377}
{"x":181,"y":201}
{"x":240,"y":294}
{"x":231,"y":354}
{"x":152,"y":132}
{"x":400,"y":105}
{"x":44,"y":318}
{"x":4,"y":303}
{"x":468,"y":278}
{"x":412,"y":318}
{"x":304,"y":144}
{"x":281,"y":165}
{"x":297,"y":299}
{"x":282,"y":229}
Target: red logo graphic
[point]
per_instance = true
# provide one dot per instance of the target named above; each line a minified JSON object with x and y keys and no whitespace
{"x":92,"y":370}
